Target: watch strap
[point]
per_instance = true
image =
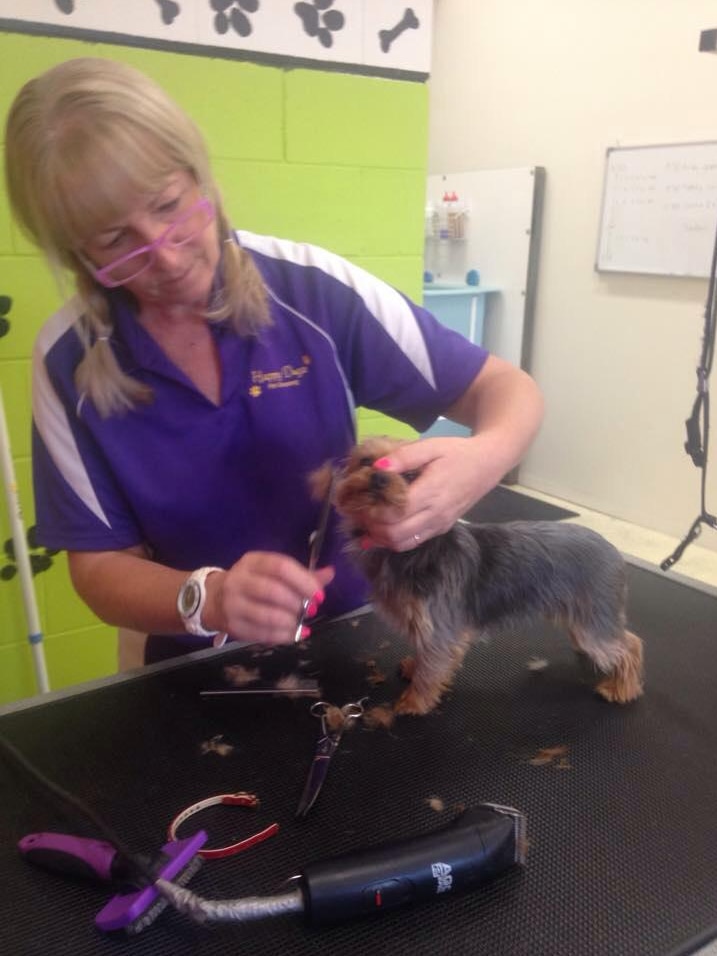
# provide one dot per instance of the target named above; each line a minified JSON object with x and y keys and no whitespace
{"x":193,"y":622}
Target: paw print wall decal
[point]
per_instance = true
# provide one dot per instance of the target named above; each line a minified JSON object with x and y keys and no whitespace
{"x":40,"y":558}
{"x":169,"y":11}
{"x":369,"y":36}
{"x":319,"y":20}
{"x":233,"y":13}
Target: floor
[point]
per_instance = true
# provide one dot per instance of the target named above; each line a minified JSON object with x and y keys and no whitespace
{"x":697,"y":563}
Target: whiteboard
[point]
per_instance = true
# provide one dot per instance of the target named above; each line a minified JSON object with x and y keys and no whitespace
{"x":659,"y":210}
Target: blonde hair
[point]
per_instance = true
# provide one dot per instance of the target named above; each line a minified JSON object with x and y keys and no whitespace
{"x":83,"y":141}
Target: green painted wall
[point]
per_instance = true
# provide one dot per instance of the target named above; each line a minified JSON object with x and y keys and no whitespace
{"x":331,"y":158}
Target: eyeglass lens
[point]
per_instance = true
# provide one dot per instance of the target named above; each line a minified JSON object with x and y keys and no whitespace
{"x":182,"y":230}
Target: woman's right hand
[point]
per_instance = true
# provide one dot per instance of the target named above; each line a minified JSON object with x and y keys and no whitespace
{"x":258,"y":599}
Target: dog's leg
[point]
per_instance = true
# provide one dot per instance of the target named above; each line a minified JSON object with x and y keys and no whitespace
{"x":623,"y":682}
{"x":438,"y":653}
{"x":619,"y":658}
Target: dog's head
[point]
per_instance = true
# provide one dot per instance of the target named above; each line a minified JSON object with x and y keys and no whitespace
{"x":359,"y":486}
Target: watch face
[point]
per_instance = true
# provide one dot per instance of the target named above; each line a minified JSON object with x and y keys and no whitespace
{"x":189,"y":598}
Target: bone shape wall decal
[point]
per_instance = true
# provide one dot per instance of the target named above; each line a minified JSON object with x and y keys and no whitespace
{"x":409,"y":22}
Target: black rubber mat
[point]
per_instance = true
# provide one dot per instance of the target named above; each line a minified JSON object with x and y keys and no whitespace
{"x":621,"y":823}
{"x":505,"y":504}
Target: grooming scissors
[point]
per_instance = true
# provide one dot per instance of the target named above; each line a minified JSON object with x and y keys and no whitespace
{"x":326,"y":746}
{"x":316,"y":541}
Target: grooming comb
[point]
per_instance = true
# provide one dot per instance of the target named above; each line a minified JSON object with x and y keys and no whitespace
{"x":138,"y":903}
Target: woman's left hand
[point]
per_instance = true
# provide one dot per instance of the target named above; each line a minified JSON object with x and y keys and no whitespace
{"x":503,"y":409}
{"x":454,"y":473}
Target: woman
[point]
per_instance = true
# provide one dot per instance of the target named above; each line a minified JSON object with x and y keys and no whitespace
{"x":182,"y":397}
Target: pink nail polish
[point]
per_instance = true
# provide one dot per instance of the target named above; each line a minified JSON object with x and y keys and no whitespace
{"x":312,"y":609}
{"x":305,"y":632}
{"x":318,"y":598}
{"x":383,"y":463}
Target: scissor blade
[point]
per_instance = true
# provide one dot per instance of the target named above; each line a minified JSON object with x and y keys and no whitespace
{"x":276,"y":691}
{"x":300,"y":619}
{"x":317,"y":539}
{"x":317,"y":774}
{"x":315,"y":544}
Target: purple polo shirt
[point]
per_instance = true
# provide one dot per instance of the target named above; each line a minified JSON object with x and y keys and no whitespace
{"x":200,"y":484}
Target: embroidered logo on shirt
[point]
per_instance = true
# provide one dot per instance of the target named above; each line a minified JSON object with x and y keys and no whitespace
{"x":288,"y":376}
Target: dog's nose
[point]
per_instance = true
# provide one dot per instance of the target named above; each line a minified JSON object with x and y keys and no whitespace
{"x":378,"y":480}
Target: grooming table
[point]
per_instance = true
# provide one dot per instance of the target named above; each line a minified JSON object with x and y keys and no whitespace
{"x":622,"y":835}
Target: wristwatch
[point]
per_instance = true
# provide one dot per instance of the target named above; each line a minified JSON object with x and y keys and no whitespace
{"x":191,"y":599}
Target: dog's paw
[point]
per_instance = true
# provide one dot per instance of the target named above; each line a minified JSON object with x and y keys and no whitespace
{"x":413,"y":704}
{"x":617,"y":690}
{"x":624,"y":682}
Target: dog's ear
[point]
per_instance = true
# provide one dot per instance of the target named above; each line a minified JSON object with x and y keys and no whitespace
{"x":320,"y":481}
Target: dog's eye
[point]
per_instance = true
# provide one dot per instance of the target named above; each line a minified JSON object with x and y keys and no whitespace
{"x":410,"y":476}
{"x":365,"y":462}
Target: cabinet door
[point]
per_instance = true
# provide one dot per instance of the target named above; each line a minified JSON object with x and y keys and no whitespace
{"x":462,"y":312}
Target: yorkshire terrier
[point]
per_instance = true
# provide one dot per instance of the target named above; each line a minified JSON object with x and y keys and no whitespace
{"x":466,"y":582}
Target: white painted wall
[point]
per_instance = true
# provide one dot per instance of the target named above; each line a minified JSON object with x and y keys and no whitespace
{"x":555,"y":83}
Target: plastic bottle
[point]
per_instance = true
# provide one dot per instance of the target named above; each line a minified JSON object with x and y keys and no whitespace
{"x":431,"y":221}
{"x":445,"y":216}
{"x":455,"y":216}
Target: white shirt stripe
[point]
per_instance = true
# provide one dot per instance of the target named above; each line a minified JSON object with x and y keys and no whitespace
{"x":49,"y":414}
{"x":389,"y":308}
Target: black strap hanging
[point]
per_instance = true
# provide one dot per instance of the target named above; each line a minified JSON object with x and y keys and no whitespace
{"x":698,"y":424}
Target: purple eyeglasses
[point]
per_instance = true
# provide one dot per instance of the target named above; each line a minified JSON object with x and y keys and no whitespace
{"x":184,"y":228}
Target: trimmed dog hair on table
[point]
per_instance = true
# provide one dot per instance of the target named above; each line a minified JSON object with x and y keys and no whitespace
{"x":460,"y":585}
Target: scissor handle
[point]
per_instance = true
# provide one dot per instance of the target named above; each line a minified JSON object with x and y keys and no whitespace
{"x":353,"y":710}
{"x":350,"y":711}
{"x":326,"y":746}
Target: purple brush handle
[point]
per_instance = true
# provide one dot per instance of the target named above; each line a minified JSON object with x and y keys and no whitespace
{"x":70,"y":855}
{"x":128,"y":910}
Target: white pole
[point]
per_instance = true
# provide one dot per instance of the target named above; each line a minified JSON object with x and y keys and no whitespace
{"x":21,"y":555}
